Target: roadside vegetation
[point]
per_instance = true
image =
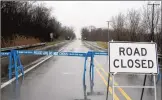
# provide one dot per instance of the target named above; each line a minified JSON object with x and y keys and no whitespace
{"x":136,"y":25}
{"x":102,"y":44}
{"x":29,"y":22}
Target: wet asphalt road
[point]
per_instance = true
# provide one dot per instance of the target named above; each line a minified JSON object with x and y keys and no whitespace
{"x":60,"y":78}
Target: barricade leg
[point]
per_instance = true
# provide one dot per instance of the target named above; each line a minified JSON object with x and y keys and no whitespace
{"x":84,"y":70}
{"x":92,"y":64}
{"x":15,"y":64}
{"x":10,"y":66}
{"x":84,"y":90}
{"x":90,"y":68}
{"x":91,"y":74}
{"x":84,"y":84}
{"x":20,"y":66}
{"x":22,"y":70}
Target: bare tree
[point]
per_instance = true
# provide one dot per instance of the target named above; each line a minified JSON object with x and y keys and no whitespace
{"x":147,"y":17}
{"x":133,"y":17}
{"x":118,"y":23}
{"x":28,"y":18}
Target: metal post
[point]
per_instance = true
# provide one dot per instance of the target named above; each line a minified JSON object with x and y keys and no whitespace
{"x":90,"y":84}
{"x":107,"y":95}
{"x":92,"y":92}
{"x":108,"y":31}
{"x":108,"y":87}
{"x":152,"y":30}
{"x":144,"y":82}
{"x":15,"y":64}
{"x":91,"y":74}
{"x":113,"y":86}
{"x":92,"y":70}
{"x":84,"y":91}
{"x":10,"y":66}
{"x":84,"y":71}
{"x":155,"y":87}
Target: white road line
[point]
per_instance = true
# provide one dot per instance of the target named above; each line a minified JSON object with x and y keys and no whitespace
{"x":13,"y":79}
{"x":67,"y":73}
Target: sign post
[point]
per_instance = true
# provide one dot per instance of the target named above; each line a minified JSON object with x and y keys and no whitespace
{"x":133,"y":57}
{"x":51,"y":36}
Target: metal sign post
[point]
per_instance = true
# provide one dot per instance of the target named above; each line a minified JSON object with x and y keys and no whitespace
{"x":107,"y":95}
{"x":154,"y":87}
{"x":144,"y":82}
{"x":113,"y":90}
{"x":108,"y":86}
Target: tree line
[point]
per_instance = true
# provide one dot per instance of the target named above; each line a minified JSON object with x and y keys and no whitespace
{"x":136,"y":25}
{"x":28,"y":18}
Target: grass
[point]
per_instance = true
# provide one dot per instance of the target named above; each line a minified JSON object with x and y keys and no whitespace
{"x":18,"y":40}
{"x":54,"y":42}
{"x":102,"y":44}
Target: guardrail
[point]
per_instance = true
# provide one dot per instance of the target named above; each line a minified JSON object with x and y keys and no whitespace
{"x":22,"y":47}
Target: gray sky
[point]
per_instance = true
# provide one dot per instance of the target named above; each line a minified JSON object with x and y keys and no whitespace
{"x":85,"y":13}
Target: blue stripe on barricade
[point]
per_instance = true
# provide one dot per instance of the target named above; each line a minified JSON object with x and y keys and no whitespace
{"x":4,"y":53}
{"x":25,"y":51}
{"x":100,"y":53}
{"x":77,"y":54}
{"x":36,"y":52}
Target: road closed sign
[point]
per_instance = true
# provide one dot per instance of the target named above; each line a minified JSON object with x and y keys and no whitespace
{"x":133,"y":57}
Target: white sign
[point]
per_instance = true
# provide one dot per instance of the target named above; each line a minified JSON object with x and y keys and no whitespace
{"x":135,"y":57}
{"x":51,"y":35}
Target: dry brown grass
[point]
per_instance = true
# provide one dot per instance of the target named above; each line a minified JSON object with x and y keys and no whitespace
{"x":18,"y":40}
{"x":103,"y":44}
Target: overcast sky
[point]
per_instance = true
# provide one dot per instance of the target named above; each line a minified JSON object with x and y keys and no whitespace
{"x":85,"y":13}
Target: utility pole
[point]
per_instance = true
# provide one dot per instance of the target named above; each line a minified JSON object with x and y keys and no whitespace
{"x":152,"y":28}
{"x":152,"y":39}
{"x":108,"y":31}
{"x":107,"y":60}
{"x":90,"y":32}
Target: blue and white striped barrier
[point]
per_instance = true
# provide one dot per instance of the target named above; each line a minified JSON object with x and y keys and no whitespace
{"x":16,"y":66}
{"x":37,"y":52}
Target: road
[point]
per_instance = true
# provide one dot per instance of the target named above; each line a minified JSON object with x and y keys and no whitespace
{"x":60,"y":78}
